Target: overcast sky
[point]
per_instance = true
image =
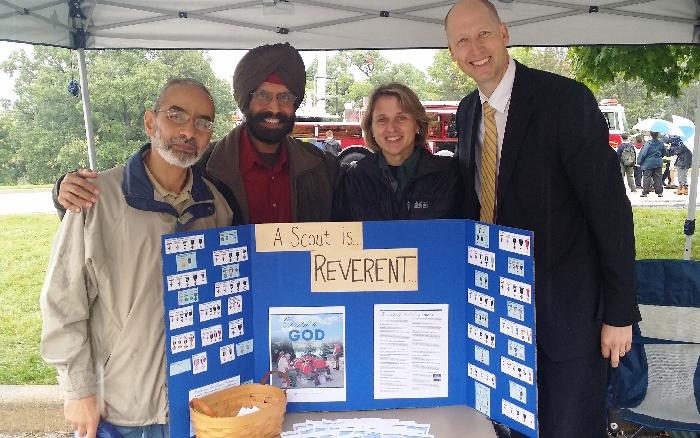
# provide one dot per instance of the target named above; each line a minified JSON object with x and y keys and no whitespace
{"x":224,"y":61}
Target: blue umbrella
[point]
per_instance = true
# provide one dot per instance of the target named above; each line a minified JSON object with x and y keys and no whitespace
{"x":658,"y":125}
{"x":687,"y":126}
{"x":687,"y":132}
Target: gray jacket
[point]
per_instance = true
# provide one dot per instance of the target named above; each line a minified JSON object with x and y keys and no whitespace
{"x":102,"y":300}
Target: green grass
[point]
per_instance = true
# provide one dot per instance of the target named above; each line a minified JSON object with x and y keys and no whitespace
{"x":27,"y":243}
{"x":659,"y":234}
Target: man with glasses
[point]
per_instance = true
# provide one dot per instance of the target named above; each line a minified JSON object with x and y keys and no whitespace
{"x":103,"y":290}
{"x":264,"y":174}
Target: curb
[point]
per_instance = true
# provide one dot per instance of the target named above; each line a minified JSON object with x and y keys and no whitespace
{"x":31,"y":408}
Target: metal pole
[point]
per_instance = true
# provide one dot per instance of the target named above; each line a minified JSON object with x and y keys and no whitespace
{"x":689,"y":227}
{"x":87,"y":110}
{"x":321,"y":83}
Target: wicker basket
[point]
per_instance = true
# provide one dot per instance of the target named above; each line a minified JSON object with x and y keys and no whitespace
{"x":214,"y":415}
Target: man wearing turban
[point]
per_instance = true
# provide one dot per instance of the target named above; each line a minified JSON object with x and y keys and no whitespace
{"x":264,"y":174}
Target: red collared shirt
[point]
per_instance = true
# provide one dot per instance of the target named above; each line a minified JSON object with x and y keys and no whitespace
{"x":268,"y":188}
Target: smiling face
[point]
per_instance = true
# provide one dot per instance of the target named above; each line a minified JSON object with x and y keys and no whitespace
{"x":477,"y":42}
{"x":270,"y":123}
{"x":393,"y":129}
{"x":180,"y":144}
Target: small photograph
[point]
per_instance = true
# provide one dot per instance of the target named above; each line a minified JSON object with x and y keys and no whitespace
{"x":308,"y":344}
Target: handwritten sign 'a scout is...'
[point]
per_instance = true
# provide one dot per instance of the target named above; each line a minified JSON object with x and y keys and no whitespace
{"x":338,"y":261}
{"x":308,"y":236}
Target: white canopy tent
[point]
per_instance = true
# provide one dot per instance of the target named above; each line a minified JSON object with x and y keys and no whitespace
{"x":338,"y":24}
{"x":335,"y":24}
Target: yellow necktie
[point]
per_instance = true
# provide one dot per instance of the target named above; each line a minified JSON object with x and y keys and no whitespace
{"x":489,"y":154}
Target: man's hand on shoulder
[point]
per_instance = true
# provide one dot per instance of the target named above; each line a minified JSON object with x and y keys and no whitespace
{"x":83,"y":415}
{"x":76,"y":192}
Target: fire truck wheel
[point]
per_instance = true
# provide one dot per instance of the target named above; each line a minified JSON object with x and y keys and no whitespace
{"x":351,"y":158}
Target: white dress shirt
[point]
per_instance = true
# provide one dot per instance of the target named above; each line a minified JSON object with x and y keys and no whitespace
{"x":500,"y":100}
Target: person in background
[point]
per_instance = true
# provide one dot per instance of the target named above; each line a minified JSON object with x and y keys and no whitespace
{"x":628,"y":160}
{"x":331,"y":145}
{"x":337,"y":351}
{"x":264,"y":174}
{"x":284,"y":364}
{"x":522,"y":169}
{"x":668,"y":170}
{"x":638,"y":143}
{"x":684,"y":160}
{"x":401,"y":179}
{"x":102,"y":300}
{"x":649,"y":160}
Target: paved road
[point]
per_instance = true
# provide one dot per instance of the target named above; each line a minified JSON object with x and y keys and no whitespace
{"x":669,"y":199}
{"x":26,"y":201}
{"x":39,"y":201}
{"x":35,"y":435}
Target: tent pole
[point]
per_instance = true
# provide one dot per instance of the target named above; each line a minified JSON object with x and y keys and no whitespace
{"x":87,"y":110}
{"x":689,"y":227}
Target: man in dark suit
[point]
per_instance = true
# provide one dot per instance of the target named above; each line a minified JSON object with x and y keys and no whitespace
{"x":567,"y":190}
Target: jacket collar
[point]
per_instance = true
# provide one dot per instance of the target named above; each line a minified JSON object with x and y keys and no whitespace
{"x":300,"y":160}
{"x":520,"y":115}
{"x":425,"y":163}
{"x":139,"y":193}
{"x":223,"y":164}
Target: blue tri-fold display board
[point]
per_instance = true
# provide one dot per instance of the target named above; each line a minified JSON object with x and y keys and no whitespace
{"x":366,"y":315}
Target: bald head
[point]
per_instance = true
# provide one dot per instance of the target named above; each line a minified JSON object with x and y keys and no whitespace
{"x":470,"y":3}
{"x":477,"y":41}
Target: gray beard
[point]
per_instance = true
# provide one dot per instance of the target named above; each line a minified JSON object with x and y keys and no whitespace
{"x":165,"y":150}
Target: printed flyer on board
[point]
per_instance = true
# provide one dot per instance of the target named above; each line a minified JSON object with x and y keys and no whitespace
{"x":410,"y":350}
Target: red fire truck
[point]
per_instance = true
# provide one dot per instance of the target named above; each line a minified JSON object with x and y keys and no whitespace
{"x":614,"y":114}
{"x":442,"y":131}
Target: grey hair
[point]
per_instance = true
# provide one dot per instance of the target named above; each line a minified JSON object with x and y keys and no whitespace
{"x":179,"y":81}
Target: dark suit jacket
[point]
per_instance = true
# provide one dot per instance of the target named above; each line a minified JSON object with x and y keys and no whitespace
{"x":559,"y":178}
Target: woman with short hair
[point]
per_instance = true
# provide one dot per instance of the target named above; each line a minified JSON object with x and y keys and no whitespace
{"x":401,"y":179}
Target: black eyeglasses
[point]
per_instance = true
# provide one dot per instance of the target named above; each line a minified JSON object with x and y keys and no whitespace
{"x":263,"y":97}
{"x":180,"y":117}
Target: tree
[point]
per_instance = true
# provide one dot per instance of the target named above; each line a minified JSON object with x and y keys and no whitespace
{"x":686,"y":104}
{"x":10,"y":169}
{"x":45,"y":116}
{"x":633,"y":95}
{"x":344,"y":66}
{"x":663,"y":69}
{"x":551,"y":59}
{"x":338,"y":81}
{"x":451,"y":83}
{"x":640,"y":104}
{"x":367,"y":61}
{"x":407,"y":74}
{"x":123,"y":85}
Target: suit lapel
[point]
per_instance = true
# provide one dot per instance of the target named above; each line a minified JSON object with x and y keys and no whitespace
{"x":519,"y":116}
{"x":468,"y":119}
